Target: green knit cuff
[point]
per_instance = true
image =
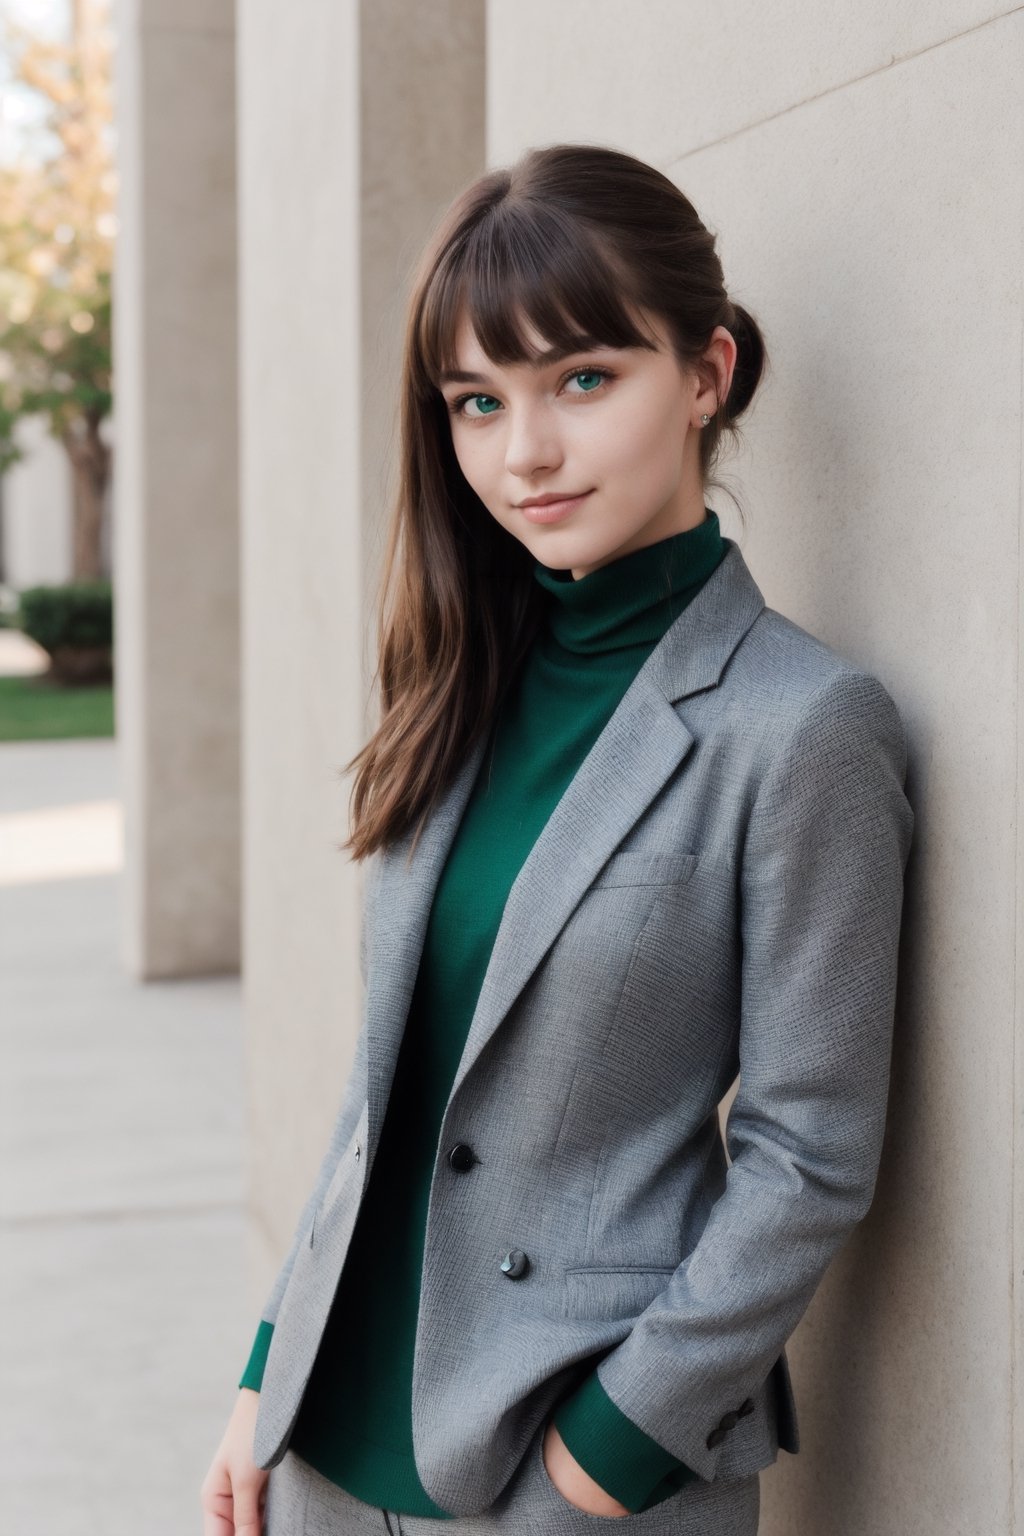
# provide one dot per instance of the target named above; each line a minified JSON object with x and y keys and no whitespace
{"x":253,"y":1373}
{"x":617,"y":1453}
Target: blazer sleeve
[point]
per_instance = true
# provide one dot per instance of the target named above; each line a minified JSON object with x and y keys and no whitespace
{"x":344,"y":1125}
{"x":821,"y":889}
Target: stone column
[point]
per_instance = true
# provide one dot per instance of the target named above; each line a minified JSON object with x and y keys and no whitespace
{"x":357,"y":123}
{"x":176,"y":490}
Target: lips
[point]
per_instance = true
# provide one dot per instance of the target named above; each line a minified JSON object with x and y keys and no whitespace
{"x":550,"y":497}
{"x":552,"y":510}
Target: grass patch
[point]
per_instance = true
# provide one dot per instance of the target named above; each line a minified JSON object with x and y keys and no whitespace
{"x":36,"y":709}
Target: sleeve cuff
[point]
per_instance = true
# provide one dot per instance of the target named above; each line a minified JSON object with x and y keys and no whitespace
{"x":615,"y":1452}
{"x":252,"y":1376}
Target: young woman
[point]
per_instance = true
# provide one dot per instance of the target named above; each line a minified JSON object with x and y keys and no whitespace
{"x":631,"y":833}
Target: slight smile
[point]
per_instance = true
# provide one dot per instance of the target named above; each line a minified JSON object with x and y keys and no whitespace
{"x":553,"y":511}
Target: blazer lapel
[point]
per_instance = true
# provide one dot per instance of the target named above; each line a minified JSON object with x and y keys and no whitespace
{"x":402,"y":897}
{"x":641,"y":745}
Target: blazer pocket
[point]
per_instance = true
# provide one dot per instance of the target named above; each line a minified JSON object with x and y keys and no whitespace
{"x":606,"y":1291}
{"x":633,"y":867}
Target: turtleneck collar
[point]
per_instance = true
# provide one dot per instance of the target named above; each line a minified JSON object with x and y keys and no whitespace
{"x":634,"y":599}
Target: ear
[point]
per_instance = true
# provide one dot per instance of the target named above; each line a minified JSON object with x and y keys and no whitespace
{"x":720,"y":365}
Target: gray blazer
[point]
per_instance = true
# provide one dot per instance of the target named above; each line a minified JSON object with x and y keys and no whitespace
{"x":719,"y":891}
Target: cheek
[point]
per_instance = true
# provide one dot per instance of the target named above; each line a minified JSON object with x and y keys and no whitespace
{"x":473,"y":463}
{"x":640,"y":464}
{"x":642,"y":446}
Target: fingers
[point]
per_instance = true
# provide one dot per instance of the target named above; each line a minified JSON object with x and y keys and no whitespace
{"x":216,"y":1501}
{"x":233,"y":1505}
{"x":249,"y":1501}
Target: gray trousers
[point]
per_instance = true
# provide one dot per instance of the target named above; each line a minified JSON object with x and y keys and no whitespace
{"x":301,"y":1502}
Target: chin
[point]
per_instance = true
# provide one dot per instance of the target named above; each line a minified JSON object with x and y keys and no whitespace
{"x":564,"y":550}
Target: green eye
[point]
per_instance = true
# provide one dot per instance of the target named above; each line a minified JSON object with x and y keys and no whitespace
{"x":596,"y":375}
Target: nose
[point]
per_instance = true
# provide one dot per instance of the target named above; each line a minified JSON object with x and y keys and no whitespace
{"x":532,"y":447}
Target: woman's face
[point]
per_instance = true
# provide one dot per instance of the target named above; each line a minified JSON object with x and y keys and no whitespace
{"x":615,"y":427}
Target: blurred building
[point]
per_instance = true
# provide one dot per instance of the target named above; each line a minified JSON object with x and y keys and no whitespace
{"x":35,"y":511}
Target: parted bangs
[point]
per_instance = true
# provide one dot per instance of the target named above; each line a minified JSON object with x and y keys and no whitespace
{"x":526,"y":264}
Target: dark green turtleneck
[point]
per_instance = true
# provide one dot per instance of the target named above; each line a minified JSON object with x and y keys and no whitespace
{"x":355,"y":1422}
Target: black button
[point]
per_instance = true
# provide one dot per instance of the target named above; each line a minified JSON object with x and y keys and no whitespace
{"x":747,"y":1406}
{"x":515,"y":1264}
{"x":462,"y":1157}
{"x":715,"y":1438}
{"x":729,"y":1420}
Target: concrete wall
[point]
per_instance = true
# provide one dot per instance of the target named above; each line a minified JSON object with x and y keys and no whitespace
{"x":865,"y":181}
{"x":356,"y":124}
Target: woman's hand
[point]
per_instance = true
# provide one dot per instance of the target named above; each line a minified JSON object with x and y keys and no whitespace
{"x":231,"y":1495}
{"x":575,"y":1485}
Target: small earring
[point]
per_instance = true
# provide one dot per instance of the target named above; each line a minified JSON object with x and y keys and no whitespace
{"x":705,"y":418}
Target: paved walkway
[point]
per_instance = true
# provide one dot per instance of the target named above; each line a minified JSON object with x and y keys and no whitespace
{"x":125,"y":1318}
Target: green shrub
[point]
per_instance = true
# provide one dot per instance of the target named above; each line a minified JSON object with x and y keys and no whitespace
{"x":79,"y":613}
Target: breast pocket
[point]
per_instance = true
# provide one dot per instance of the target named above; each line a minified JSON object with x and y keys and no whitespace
{"x":610,"y":1291}
{"x":634,"y":867}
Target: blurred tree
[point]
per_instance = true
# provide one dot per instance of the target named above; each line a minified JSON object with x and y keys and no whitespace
{"x":57,"y":227}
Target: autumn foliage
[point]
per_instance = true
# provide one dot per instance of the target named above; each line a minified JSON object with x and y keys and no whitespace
{"x":57,"y":230}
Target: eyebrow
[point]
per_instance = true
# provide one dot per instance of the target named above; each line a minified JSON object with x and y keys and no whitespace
{"x":553,"y":355}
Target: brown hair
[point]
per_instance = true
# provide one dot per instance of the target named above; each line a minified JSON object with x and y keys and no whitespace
{"x":577,"y":238}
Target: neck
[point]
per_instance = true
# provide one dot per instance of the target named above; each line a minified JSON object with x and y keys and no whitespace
{"x":654,"y":532}
{"x":632,"y":598}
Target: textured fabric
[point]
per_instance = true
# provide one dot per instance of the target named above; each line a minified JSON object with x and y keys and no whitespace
{"x":598,"y":631}
{"x":718,"y":891}
{"x":302,"y":1502}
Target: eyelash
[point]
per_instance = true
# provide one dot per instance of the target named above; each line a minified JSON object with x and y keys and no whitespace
{"x":456,"y":405}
